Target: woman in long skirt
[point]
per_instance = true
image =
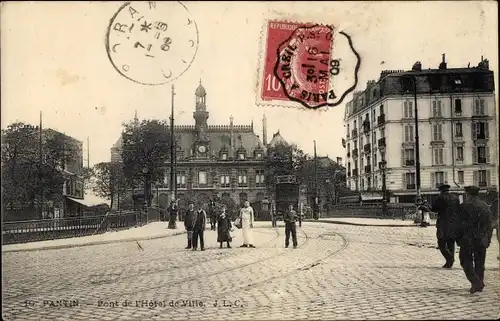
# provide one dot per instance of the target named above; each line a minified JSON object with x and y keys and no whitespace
{"x":246,"y":216}
{"x":223,"y":228}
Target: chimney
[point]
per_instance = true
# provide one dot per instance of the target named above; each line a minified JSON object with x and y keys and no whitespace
{"x":417,"y":66}
{"x":484,"y":64}
{"x":442,"y":65}
{"x":339,"y":161}
{"x":264,"y":130}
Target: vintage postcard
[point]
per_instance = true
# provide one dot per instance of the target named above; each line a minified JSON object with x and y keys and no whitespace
{"x":289,"y":160}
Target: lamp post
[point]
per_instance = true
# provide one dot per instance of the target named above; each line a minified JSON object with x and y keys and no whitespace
{"x":418,"y":198}
{"x":145,"y":172}
{"x":383,"y":166}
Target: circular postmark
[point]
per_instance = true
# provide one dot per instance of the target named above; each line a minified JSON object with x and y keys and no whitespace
{"x":307,"y":71}
{"x":152,"y":43}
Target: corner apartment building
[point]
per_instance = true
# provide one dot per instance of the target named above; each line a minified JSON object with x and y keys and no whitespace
{"x":456,"y":126}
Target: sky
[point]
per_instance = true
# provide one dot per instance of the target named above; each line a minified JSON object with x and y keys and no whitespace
{"x":54,"y":60}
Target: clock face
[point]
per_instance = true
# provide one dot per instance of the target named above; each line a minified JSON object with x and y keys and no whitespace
{"x":202,"y":149}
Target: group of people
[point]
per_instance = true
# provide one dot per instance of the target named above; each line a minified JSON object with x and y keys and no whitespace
{"x":195,"y":223}
{"x":471,"y":226}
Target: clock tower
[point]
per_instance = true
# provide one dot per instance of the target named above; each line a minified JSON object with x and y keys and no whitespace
{"x":200,"y":115}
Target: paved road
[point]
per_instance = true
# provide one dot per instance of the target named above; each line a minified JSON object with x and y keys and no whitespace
{"x":338,"y":272}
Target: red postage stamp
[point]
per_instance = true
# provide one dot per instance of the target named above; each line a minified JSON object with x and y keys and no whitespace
{"x":298,"y":67}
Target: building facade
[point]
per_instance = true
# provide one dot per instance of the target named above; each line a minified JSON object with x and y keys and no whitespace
{"x":73,"y":193}
{"x":224,"y":160}
{"x":456,"y":126}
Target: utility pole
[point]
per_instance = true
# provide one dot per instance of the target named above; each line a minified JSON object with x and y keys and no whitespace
{"x":316,"y":200}
{"x":172,"y":150}
{"x":40,"y":163}
{"x":88,"y":152}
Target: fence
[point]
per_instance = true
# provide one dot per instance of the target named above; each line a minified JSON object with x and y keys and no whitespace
{"x":50,"y":229}
{"x":394,"y":211}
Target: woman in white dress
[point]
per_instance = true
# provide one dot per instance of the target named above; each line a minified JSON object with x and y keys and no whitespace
{"x":246,"y":217}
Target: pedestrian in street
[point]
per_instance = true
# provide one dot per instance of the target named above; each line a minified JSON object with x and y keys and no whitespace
{"x":247,"y":218}
{"x":173,"y":209}
{"x":273,"y":216}
{"x":212,"y":212}
{"x":446,"y":206}
{"x":189,"y":224}
{"x":300,"y":217}
{"x":290,"y":218}
{"x":496,"y":219}
{"x":200,"y":221}
{"x":473,"y":235}
{"x":224,"y":228}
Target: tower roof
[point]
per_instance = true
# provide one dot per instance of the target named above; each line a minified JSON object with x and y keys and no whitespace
{"x":200,"y":91}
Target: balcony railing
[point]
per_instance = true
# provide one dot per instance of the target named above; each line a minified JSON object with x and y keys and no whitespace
{"x":438,"y":185}
{"x":354,"y":133}
{"x":410,"y":162}
{"x":368,"y":169}
{"x":355,"y":172}
{"x":367,"y":148}
{"x":381,"y":142}
{"x":481,"y":160}
{"x":483,"y":184}
{"x":410,"y":186}
{"x":355,"y":153}
{"x":381,"y":119}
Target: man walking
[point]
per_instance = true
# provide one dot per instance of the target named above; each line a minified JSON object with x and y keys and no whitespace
{"x":474,"y":237}
{"x":200,"y":220}
{"x":290,"y":218}
{"x":189,"y":224}
{"x":213,"y":215}
{"x":446,"y":206}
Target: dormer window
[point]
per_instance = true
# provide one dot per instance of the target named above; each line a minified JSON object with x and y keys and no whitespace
{"x":241,"y":156}
{"x":224,"y":156}
{"x":258,"y":155}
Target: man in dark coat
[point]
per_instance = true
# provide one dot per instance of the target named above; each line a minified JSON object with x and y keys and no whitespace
{"x":290,"y":218}
{"x":473,"y":235}
{"x":446,"y":206}
{"x":199,"y":220}
{"x":189,"y":224}
{"x":212,"y":212}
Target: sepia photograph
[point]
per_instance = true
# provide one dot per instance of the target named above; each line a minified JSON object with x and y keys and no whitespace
{"x":249,"y":160}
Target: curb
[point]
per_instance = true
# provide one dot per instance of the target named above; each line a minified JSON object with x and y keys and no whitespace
{"x":68,"y":246}
{"x":361,"y":224}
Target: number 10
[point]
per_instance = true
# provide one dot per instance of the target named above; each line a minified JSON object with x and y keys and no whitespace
{"x":273,"y":83}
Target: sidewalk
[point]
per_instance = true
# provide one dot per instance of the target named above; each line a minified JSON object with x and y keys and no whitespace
{"x":150,"y":231}
{"x":369,"y":221}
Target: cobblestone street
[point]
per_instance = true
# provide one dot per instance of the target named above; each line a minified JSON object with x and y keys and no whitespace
{"x":338,"y":272}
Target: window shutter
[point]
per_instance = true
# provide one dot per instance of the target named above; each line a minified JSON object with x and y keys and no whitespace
{"x":482,"y":106}
{"x":405,"y":109}
{"x":404,"y":180}
{"x":403,"y":163}
{"x":474,"y":155}
{"x":476,"y":106}
{"x":474,"y":179}
{"x":446,"y":177}
{"x":444,"y":151}
{"x":487,"y":152}
{"x":433,"y":110}
{"x":433,"y":180}
{"x":488,"y":178}
{"x":486,"y":130}
{"x":439,"y":111}
{"x":473,"y":130}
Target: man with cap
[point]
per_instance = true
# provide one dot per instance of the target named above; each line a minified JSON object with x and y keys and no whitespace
{"x":446,"y":206}
{"x":473,"y":235}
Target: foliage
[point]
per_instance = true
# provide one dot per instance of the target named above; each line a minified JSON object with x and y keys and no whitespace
{"x":285,"y":159}
{"x":29,"y":173}
{"x":146,"y":145}
{"x":107,"y":180}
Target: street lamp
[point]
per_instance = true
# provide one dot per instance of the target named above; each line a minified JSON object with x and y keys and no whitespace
{"x":413,"y":80}
{"x":145,"y":171}
{"x":383,"y":166}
